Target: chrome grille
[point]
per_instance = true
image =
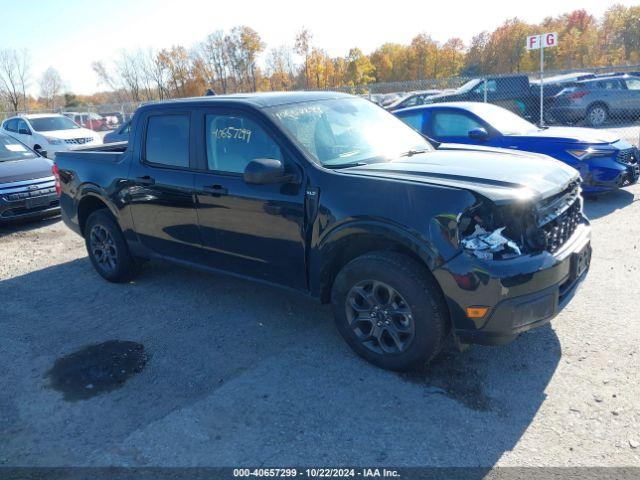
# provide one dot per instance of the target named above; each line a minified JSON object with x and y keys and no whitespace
{"x":17,"y":191}
{"x":78,"y":141}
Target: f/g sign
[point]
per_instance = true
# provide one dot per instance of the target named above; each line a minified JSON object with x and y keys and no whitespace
{"x":546,"y":40}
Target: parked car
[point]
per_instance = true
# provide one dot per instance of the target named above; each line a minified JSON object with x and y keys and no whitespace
{"x":114,"y":119}
{"x":329,"y":195}
{"x":597,"y":100}
{"x":89,"y":120}
{"x":513,"y":92}
{"x":604,"y":161}
{"x":562,"y":79}
{"x":48,"y":132}
{"x":27,"y":185}
{"x":411,"y":99}
{"x":119,"y":135}
{"x":389,"y":98}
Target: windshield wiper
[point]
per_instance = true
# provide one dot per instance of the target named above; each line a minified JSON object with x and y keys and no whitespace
{"x":411,"y":153}
{"x":345,"y":165}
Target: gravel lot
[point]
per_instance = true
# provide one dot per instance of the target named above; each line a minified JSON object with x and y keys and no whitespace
{"x":241,"y":374}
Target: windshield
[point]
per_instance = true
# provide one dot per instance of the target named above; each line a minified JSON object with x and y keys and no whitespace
{"x":348,"y":131}
{"x":467,"y":87}
{"x":11,"y":149}
{"x":505,"y":121}
{"x":49,"y":124}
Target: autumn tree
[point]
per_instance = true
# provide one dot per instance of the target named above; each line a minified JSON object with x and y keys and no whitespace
{"x":176,"y":61}
{"x":475,"y":62}
{"x":303,"y":48}
{"x":231,"y":61}
{"x":243,"y":45}
{"x":620,"y":35}
{"x":359,"y":68}
{"x":390,"y":62}
{"x":506,"y":49}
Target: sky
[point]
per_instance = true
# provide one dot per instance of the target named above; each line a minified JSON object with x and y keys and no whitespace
{"x":71,"y":34}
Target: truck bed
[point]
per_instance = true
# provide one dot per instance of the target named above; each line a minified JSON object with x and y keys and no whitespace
{"x":111,"y":152}
{"x":117,"y":147}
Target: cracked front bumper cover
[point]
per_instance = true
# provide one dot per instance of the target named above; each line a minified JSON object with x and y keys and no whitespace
{"x":523,"y":292}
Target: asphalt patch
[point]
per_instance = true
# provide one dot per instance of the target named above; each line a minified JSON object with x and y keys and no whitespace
{"x":455,"y":376}
{"x":96,"y":369}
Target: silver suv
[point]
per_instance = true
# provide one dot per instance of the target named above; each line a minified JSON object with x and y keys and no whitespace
{"x":596,"y":100}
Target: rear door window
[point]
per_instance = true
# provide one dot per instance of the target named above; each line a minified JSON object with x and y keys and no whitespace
{"x":167,"y":140}
{"x":611,"y":84}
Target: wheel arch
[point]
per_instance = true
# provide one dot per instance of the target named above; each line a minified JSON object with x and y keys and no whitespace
{"x":355,"y":239}
{"x":90,"y":202}
{"x":600,"y":103}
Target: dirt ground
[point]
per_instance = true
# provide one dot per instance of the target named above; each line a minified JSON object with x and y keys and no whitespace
{"x":222,"y":372}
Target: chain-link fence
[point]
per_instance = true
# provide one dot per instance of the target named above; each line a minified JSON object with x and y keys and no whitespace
{"x":604,"y":98}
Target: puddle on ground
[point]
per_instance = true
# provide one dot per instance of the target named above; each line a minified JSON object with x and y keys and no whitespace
{"x":453,"y":375}
{"x":96,"y":369}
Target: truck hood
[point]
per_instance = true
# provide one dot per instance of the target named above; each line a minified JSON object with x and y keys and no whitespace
{"x":25,"y":169}
{"x":497,"y":174}
{"x":571,"y":135}
{"x":446,"y":94}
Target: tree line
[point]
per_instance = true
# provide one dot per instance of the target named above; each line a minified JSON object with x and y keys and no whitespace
{"x":238,"y":61}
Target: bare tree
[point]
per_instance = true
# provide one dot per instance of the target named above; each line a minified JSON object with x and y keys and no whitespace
{"x":215,"y":59}
{"x":128,"y":73}
{"x":106,"y":78}
{"x":281,"y":68}
{"x":154,"y":74}
{"x":50,"y":86}
{"x":14,"y":76}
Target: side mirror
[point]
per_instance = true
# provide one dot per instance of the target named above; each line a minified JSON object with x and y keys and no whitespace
{"x":478,"y":134}
{"x":263,"y":171}
{"x":24,"y":131}
{"x":42,"y":153}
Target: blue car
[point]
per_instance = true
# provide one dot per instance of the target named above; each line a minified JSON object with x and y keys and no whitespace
{"x":604,"y":161}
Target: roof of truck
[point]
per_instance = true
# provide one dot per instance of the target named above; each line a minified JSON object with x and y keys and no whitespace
{"x":260,"y":100}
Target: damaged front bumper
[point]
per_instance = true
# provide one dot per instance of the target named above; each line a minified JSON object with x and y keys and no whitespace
{"x":522,"y":292}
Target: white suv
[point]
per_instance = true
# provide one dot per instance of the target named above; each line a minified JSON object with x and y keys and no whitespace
{"x":49,"y":132}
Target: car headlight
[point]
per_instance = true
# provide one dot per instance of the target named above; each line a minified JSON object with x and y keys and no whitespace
{"x":53,"y":141}
{"x":587,"y":153}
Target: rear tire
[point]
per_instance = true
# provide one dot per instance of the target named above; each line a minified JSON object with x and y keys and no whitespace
{"x":107,"y":248}
{"x":390,"y":310}
{"x":597,"y":115}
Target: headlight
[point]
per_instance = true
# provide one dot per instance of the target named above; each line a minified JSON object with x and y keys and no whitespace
{"x":53,"y":141}
{"x":586,"y":154}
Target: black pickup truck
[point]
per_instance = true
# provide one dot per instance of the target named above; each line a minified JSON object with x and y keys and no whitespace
{"x":330,"y":195}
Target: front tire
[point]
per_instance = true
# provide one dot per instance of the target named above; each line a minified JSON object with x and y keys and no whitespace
{"x":107,"y":248}
{"x":390,"y":310}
